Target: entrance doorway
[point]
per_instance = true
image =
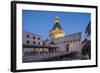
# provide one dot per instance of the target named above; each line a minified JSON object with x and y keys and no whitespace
{"x":67,"y":47}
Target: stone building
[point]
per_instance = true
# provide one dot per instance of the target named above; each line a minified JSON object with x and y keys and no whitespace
{"x":34,"y":44}
{"x":65,"y":42}
{"x":55,"y":48}
{"x":69,"y":43}
{"x":30,"y":39}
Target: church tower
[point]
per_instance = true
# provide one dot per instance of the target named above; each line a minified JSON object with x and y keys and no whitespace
{"x":56,"y":31}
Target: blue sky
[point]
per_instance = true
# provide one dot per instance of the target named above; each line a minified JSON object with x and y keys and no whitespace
{"x":41,"y":22}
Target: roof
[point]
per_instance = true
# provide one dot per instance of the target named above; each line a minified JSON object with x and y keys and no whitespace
{"x":57,"y":25}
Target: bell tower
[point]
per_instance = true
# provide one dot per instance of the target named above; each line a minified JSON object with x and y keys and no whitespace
{"x":57,"y":30}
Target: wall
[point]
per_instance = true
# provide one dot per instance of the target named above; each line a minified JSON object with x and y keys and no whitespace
{"x":31,"y":40}
{"x":5,"y":37}
{"x":74,"y":41}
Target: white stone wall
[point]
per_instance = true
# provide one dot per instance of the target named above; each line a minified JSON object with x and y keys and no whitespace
{"x":30,"y":51}
{"x":74,"y":40}
{"x":31,"y":40}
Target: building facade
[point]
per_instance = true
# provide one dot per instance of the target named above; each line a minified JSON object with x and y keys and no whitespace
{"x":34,"y":45}
{"x":59,"y":45}
{"x":69,"y":43}
{"x":31,"y":39}
{"x":65,"y":42}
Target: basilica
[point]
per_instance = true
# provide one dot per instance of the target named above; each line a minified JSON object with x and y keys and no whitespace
{"x":55,"y":48}
{"x":68,"y":43}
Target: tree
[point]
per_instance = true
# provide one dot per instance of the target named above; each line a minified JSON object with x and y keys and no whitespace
{"x":88,"y":29}
{"x":86,"y":49}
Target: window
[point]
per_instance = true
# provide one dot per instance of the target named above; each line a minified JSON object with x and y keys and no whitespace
{"x":38,"y":38}
{"x":79,"y":40}
{"x":34,"y":42}
{"x":38,"y":42}
{"x":73,"y":41}
{"x":27,"y":42}
{"x":27,"y":36}
{"x":33,"y":37}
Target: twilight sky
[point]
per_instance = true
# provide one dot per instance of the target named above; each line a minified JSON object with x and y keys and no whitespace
{"x":41,"y":22}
